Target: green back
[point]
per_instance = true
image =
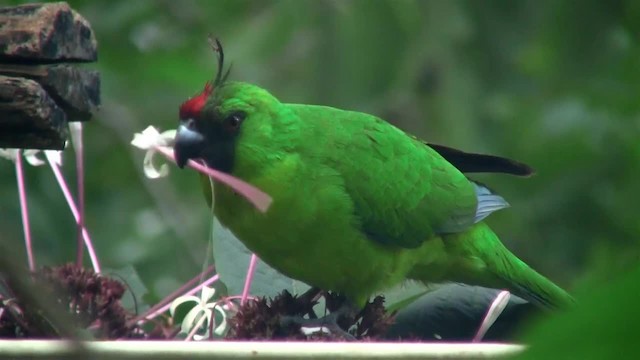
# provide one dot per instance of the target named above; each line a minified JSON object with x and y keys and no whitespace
{"x":403,"y":191}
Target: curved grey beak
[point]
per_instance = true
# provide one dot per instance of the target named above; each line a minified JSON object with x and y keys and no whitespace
{"x":188,"y":144}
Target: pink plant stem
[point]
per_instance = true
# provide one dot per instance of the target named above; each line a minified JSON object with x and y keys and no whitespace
{"x":24,"y":211}
{"x":239,"y":297}
{"x":78,"y":147}
{"x":76,"y":215}
{"x":166,"y":307}
{"x":229,"y":300}
{"x":249,"y":278}
{"x":258,"y":198}
{"x":169,"y":298}
{"x":497,"y":307}
{"x":195,"y":329}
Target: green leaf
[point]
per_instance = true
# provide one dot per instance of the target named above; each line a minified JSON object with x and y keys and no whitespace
{"x":604,"y":324}
{"x":232,"y":261}
{"x":135,"y":296}
{"x":404,"y":294}
{"x":454,"y":312}
{"x":399,"y":305}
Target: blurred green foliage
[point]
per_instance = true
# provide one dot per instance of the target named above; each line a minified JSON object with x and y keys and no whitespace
{"x":552,"y":83}
{"x":604,"y":325}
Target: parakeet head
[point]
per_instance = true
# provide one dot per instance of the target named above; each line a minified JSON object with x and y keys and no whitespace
{"x":213,"y":123}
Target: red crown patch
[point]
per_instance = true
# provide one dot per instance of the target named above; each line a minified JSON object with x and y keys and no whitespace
{"x":191,"y":108}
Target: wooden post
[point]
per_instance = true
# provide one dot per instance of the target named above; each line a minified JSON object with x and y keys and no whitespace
{"x":42,"y":85}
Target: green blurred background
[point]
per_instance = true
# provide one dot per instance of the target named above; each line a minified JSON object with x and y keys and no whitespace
{"x":551,"y":83}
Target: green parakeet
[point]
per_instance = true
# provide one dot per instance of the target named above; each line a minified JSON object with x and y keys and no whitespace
{"x":358,"y":204}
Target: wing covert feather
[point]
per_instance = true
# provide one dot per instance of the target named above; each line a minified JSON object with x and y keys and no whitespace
{"x":403,"y":191}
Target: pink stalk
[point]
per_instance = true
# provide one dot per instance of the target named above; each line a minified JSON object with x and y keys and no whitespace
{"x":497,"y":307}
{"x":195,"y":329}
{"x":24,"y":211}
{"x":153,"y":311}
{"x":78,"y":147}
{"x":74,"y":211}
{"x":249,"y":278}
{"x":166,"y":307}
{"x":239,"y":297}
{"x":258,"y":198}
{"x":229,"y":300}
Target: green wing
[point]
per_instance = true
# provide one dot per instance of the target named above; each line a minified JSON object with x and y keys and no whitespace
{"x":403,"y":191}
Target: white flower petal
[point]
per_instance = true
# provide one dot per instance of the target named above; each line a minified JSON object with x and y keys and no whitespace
{"x":150,"y":170}
{"x":168,"y":137}
{"x":149,"y":139}
{"x":311,"y":330}
{"x":207,"y":294}
{"x":207,"y":324}
{"x":9,"y":154}
{"x":221,"y":329}
{"x":191,"y":320}
{"x":181,"y":300}
{"x":32,"y":158}
{"x":54,"y":156}
{"x":75,"y":129}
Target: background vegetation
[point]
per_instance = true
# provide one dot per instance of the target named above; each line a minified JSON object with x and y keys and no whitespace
{"x":552,"y":83}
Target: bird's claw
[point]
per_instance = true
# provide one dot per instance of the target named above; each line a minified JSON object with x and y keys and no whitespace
{"x":326,"y":325}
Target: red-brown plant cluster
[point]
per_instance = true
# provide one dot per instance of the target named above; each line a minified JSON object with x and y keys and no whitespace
{"x":261,"y":319}
{"x":89,"y":300}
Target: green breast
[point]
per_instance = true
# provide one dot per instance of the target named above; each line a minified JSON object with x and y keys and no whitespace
{"x":310,"y":232}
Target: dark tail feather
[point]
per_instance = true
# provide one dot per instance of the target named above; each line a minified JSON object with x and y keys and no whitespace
{"x":474,"y":163}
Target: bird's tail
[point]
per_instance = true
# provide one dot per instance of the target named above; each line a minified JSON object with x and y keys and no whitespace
{"x":493,"y":265}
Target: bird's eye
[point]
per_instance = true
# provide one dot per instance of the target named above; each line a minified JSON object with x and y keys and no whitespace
{"x":233,"y":121}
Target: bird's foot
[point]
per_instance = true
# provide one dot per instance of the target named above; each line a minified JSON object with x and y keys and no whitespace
{"x":323,"y":326}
